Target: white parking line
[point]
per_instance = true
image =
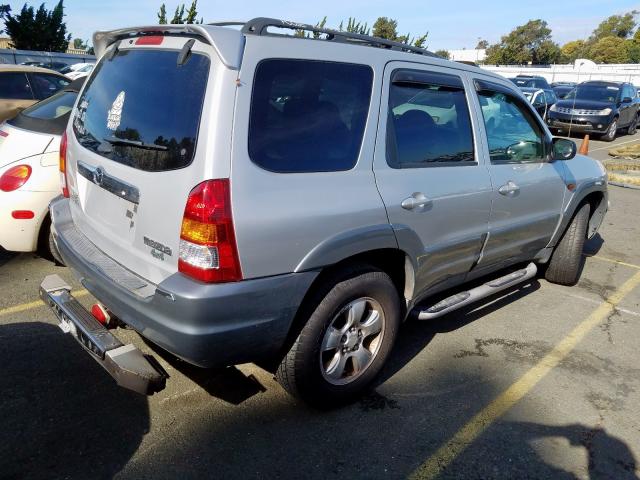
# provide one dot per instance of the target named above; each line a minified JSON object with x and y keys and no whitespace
{"x":614,"y":145}
{"x":593,"y":300}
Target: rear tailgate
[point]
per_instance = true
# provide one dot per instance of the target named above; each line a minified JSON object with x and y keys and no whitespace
{"x":134,"y":150}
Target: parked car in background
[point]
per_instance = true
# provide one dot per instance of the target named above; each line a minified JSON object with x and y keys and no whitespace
{"x":75,"y":67}
{"x":22,"y":86}
{"x":55,"y":66}
{"x":187,"y":151}
{"x":597,"y":107}
{"x":531,"y":81}
{"x":540,"y":99}
{"x":82,"y":71}
{"x":29,"y":174}
{"x":562,"y":90}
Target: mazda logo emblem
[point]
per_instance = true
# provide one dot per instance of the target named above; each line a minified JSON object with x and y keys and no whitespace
{"x":98,"y":176}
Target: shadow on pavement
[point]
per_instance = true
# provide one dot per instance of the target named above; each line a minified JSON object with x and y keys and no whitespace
{"x":6,"y":256}
{"x":415,"y":335}
{"x":61,"y":416}
{"x":593,"y":245}
{"x":607,"y":456}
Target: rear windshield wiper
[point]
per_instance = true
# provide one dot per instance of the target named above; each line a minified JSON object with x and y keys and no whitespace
{"x":135,"y":143}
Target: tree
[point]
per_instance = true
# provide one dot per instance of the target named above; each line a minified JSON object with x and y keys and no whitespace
{"x":482,"y":44}
{"x":421,"y":41}
{"x":633,"y":47}
{"x":162,"y":15}
{"x":179,"y":16}
{"x":443,"y":53}
{"x":620,"y":26}
{"x":571,"y":51}
{"x":354,"y":26}
{"x":387,"y":28}
{"x":528,"y":43}
{"x":38,"y":30}
{"x":611,"y":49}
{"x":192,"y":13}
{"x":80,"y":44}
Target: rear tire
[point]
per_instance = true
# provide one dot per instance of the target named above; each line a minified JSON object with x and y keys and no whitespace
{"x":346,"y":340}
{"x":566,"y":261}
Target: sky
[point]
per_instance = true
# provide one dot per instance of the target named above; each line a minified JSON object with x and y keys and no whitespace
{"x":452,"y":24}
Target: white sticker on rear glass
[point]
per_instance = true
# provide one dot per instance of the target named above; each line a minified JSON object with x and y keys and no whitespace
{"x":615,"y":89}
{"x":114,"y":114}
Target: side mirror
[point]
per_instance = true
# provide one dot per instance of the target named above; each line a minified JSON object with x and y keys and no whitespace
{"x":627,"y":100}
{"x":564,"y":149}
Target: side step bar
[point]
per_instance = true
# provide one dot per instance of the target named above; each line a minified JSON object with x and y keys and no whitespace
{"x":459,"y":300}
{"x":129,"y":367}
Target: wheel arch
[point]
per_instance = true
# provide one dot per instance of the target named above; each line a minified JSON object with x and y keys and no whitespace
{"x":391,"y":260}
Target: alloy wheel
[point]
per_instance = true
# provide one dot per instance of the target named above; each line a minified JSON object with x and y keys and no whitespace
{"x":352,"y":341}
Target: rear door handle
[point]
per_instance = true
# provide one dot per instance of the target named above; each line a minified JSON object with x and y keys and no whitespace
{"x":509,"y":189}
{"x":417,"y":200}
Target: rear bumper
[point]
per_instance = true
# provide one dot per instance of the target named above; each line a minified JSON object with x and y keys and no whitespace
{"x":205,"y":324}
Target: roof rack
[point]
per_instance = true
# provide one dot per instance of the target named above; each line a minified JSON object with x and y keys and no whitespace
{"x":259,"y":26}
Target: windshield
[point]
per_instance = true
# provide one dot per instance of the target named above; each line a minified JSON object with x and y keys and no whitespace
{"x":142,"y":109}
{"x":53,"y":107}
{"x":599,"y":93}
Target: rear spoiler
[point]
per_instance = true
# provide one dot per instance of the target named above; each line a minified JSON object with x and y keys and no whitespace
{"x":227,"y":42}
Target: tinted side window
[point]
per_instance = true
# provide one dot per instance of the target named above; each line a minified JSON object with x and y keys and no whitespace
{"x":429,"y":123}
{"x":514,"y":135}
{"x":308,"y":116}
{"x":14,"y":85}
{"x":46,"y":85}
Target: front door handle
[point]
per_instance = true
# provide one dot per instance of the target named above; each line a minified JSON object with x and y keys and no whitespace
{"x":509,"y":189}
{"x":417,"y":200}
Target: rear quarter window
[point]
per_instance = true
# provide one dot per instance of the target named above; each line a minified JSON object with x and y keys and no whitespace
{"x":308,"y":116}
{"x":142,"y":109}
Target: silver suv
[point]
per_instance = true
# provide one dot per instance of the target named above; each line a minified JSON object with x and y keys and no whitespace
{"x":239,"y":195}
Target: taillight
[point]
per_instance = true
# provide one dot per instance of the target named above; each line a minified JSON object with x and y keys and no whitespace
{"x":208,"y":250}
{"x":63,"y":165}
{"x":14,"y":178}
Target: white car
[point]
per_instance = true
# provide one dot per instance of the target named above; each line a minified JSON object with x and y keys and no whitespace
{"x":29,"y":172}
{"x":81,"y":71}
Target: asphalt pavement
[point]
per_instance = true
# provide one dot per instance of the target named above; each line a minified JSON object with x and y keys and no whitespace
{"x":541,"y":382}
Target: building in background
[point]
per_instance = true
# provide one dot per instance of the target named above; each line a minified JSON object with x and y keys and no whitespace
{"x":471,"y":55}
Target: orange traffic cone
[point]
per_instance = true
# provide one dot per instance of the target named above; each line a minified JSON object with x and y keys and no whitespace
{"x":584,"y":146}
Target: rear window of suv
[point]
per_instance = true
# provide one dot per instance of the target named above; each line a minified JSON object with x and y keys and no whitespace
{"x":142,"y":109}
{"x":308,"y":116}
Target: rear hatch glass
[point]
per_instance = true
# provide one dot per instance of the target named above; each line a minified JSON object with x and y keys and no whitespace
{"x":130,"y":167}
{"x":143,"y":110}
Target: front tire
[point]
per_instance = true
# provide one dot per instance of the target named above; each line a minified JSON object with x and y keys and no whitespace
{"x":565,"y":264}
{"x":346,"y":340}
{"x":610,"y":136}
{"x":631,"y":130}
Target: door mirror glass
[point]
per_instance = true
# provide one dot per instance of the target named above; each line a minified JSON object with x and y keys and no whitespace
{"x":563,"y":149}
